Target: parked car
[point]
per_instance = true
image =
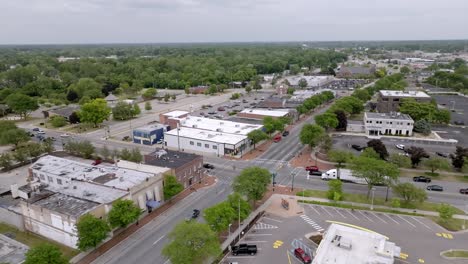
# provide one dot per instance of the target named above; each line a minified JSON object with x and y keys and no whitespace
{"x":221,"y":108}
{"x":202,"y":113}
{"x":65,"y":135}
{"x":311,"y":168}
{"x":212,"y":112}
{"x":36,"y":129}
{"x":422,"y":179}
{"x":244,"y":249}
{"x":245,"y":101}
{"x":459,"y":123}
{"x":277,"y":138}
{"x":302,"y":256}
{"x":436,"y":188}
{"x":208,"y":166}
{"x":96,"y":162}
{"x":315,"y":173}
{"x":126,"y":138}
{"x":40,"y":132}
{"x":464,"y":191}
{"x":400,"y":146}
{"x":285,"y":133}
{"x":444,"y":155}
{"x":357,"y":147}
{"x":52,"y":138}
{"x":195,"y":213}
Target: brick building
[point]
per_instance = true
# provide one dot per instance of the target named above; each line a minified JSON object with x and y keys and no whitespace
{"x":390,"y":101}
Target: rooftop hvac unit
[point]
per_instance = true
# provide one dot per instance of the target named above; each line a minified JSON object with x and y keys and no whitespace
{"x":194,"y":126}
{"x":219,"y":130}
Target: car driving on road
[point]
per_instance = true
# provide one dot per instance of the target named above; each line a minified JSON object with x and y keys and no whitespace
{"x":400,"y":146}
{"x":208,"y":166}
{"x":436,"y":188}
{"x":421,"y":179}
{"x":464,"y":191}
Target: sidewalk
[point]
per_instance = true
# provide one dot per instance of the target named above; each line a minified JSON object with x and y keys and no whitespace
{"x":94,"y":254}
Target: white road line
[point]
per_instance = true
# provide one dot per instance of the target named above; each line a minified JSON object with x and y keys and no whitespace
{"x":260,"y":235}
{"x":388,"y":216}
{"x":326,"y":210}
{"x":312,"y":207}
{"x":339,"y":212}
{"x":238,"y":257}
{"x":272,"y":219}
{"x":255,"y":241}
{"x":414,"y":218}
{"x":364,"y":214}
{"x":406,"y":221}
{"x":159,"y":239}
{"x":374,"y":214}
{"x":351,"y":213}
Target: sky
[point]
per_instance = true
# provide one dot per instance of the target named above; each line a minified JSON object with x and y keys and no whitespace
{"x":168,"y":21}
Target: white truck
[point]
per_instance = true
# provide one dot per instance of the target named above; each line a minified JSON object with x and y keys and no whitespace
{"x":345,"y":176}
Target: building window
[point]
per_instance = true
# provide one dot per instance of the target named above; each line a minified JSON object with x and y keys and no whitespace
{"x":396,"y":99}
{"x":50,"y":179}
{"x":207,"y":145}
{"x":191,"y":143}
{"x":59,"y":181}
{"x":198,"y":144}
{"x":409,"y":124}
{"x":215,"y":147}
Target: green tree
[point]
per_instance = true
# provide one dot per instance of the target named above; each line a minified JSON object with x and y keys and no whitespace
{"x":5,"y":161}
{"x":149,"y":94}
{"x":87,"y":87}
{"x":327,"y":120}
{"x":409,"y":193}
{"x":20,"y":155}
{"x":379,"y":147}
{"x":136,"y":110}
{"x":13,"y":136}
{"x":236,"y":202}
{"x":340,"y":157}
{"x":123,"y":111}
{"x":418,"y":110}
{"x":436,"y":163}
{"x":94,"y":112}
{"x":400,"y":161}
{"x":422,"y":126}
{"x":219,"y":216}
{"x":374,"y":171}
{"x":252,"y":182}
{"x":58,"y":121}
{"x":362,"y":94}
{"x":342,"y":120}
{"x":416,"y":155}
{"x":212,"y":89}
{"x":187,"y":90}
{"x":148,"y":106}
{"x":191,"y":242}
{"x":405,"y":70}
{"x":248,"y":89}
{"x":335,"y":189}
{"x":269,"y":124}
{"x":136,"y":155}
{"x":91,"y":231}
{"x":45,"y":254}
{"x":446,"y":212}
{"x":311,"y":135}
{"x":21,"y":104}
{"x":123,"y":213}
{"x":125,"y":154}
{"x":171,"y":187}
{"x":167,"y":97}
{"x":370,"y":153}
{"x":173,"y":97}
{"x":47,"y":146}
{"x":458,"y":158}
{"x":302,"y":83}
{"x":256,"y":136}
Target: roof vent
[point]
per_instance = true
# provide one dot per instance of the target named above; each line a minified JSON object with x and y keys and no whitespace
{"x":121,"y":179}
{"x":74,"y":187}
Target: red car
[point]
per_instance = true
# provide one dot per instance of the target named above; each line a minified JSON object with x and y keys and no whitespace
{"x":96,"y":162}
{"x":311,"y":168}
{"x":277,"y":138}
{"x":302,"y":256}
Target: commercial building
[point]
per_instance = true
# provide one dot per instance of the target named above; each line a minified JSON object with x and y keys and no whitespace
{"x":312,"y":81}
{"x":150,"y":134}
{"x":390,"y":101}
{"x":63,"y":190}
{"x":64,"y":112}
{"x":259,"y":113}
{"x":187,"y":167}
{"x":167,"y":117}
{"x":216,"y":125}
{"x":344,"y":244}
{"x":394,"y":123}
{"x":12,"y":251}
{"x":355,"y":71}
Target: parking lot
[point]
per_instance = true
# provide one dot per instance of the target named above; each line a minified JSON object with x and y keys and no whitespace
{"x":458,"y":105}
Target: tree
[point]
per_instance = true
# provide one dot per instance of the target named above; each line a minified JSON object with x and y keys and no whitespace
{"x":136,"y":110}
{"x":48,"y":146}
{"x":45,"y":254}
{"x":191,"y":242}
{"x":342,"y":120}
{"x":252,"y":182}
{"x":340,"y":157}
{"x":422,"y":126}
{"x":58,"y":121}
{"x":149,"y":94}
{"x":219,"y":216}
{"x":72,"y":96}
{"x":370,"y":153}
{"x":148,"y":106}
{"x":123,"y":111}
{"x":458,"y":158}
{"x":256,"y":136}
{"x":326,"y":120}
{"x":269,"y":124}
{"x":166,"y":98}
{"x":302,"y":83}
{"x":74,"y":118}
{"x":236,"y":201}
{"x":416,"y":154}
{"x":405,"y":70}
{"x":84,"y":148}
{"x":123,"y":213}
{"x":410,"y":193}
{"x":21,"y":104}
{"x":125,"y":154}
{"x":418,"y":110}
{"x":401,"y":161}
{"x":248,"y":89}
{"x":136,"y":155}
{"x":362,"y":94}
{"x":446,"y":212}
{"x":87,"y":87}
{"x":91,"y":231}
{"x":436,"y":163}
{"x":171,"y":187}
{"x":442,"y":116}
{"x":335,"y":190}
{"x":173,"y":97}
{"x":379,"y":147}
{"x":94,"y":112}
{"x":187,"y":90}
{"x":311,"y":135}
{"x":13,"y":136}
{"x":5,"y":161}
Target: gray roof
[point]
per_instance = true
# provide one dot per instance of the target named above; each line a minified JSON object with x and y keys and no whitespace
{"x":11,"y":251}
{"x":66,"y":205}
{"x":357,"y":70}
{"x":111,"y":97}
{"x":65,"y":111}
{"x":172,"y":159}
{"x":394,"y":116}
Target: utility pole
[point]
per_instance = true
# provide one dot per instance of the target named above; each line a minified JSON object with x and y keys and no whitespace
{"x":293,"y":174}
{"x":238,"y":210}
{"x":372,"y":203}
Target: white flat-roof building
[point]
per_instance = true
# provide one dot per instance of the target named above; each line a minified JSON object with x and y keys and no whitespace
{"x":216,"y":125}
{"x":344,"y":244}
{"x":262,"y":113}
{"x":312,"y":81}
{"x":388,"y":124}
{"x":302,"y":95}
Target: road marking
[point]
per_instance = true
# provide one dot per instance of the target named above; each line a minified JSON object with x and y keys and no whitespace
{"x":259,"y":234}
{"x":326,"y":210}
{"x":414,"y":218}
{"x":289,"y":258}
{"x":339,"y":212}
{"x":238,"y":257}
{"x":352,"y":214}
{"x":421,"y":260}
{"x":438,"y":234}
{"x":447,"y":236}
{"x":389,"y":217}
{"x":277,"y":244}
{"x":403,"y":255}
{"x":159,"y":239}
{"x":374,"y":214}
{"x":406,"y":221}
{"x":272,"y":219}
{"x":364,"y":214}
{"x":312,"y":207}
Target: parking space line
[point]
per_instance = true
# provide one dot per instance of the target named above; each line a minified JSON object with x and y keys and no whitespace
{"x":312,"y":207}
{"x":240,"y":257}
{"x":352,"y":214}
{"x":339,"y":212}
{"x":363,"y":213}
{"x":389,"y":217}
{"x":406,"y":221}
{"x":326,"y":210}
{"x":260,"y":235}
{"x":374,"y":214}
{"x":255,"y":241}
{"x":414,"y":218}
{"x":272,"y":219}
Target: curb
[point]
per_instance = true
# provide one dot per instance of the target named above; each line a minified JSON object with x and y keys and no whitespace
{"x":453,"y":258}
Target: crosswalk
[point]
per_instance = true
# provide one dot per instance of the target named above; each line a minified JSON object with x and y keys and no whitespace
{"x":312,"y":223}
{"x":261,"y":225}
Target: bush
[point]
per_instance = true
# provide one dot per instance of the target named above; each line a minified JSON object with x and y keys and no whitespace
{"x":396,"y":203}
{"x":335,"y":190}
{"x":58,"y":121}
{"x":422,"y":126}
{"x":446,"y":212}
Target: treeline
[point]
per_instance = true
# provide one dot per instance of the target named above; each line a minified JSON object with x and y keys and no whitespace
{"x":456,"y":80}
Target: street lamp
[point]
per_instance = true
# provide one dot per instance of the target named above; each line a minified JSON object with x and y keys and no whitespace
{"x":229,"y":230}
{"x":292,"y":182}
{"x":372,"y":203}
{"x":238,"y":209}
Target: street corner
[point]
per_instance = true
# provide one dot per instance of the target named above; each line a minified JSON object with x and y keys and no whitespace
{"x":284,"y":206}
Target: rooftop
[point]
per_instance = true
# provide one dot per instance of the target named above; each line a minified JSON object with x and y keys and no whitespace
{"x":411,"y":94}
{"x":357,"y":69}
{"x":150,"y":128}
{"x":311,"y":80}
{"x":205,"y":135}
{"x":343,"y":244}
{"x":392,"y":115}
{"x":11,"y":251}
{"x":304,"y":94}
{"x":176,"y":113}
{"x":169,"y":158}
{"x":151,"y":168}
{"x":216,"y":125}
{"x":90,"y":191}
{"x":65,"y":111}
{"x":266,"y":112}
{"x":66,"y":205}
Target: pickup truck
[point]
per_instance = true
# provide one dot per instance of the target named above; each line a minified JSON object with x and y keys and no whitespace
{"x":244,"y":249}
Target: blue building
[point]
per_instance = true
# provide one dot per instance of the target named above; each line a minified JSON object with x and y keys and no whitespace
{"x":149,"y":135}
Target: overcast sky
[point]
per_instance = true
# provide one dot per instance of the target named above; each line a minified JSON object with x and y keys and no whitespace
{"x":143,"y":21}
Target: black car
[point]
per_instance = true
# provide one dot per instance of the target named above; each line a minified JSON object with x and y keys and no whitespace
{"x":436,"y":188}
{"x":421,"y":179}
{"x":459,"y":123}
{"x":285,"y":133}
{"x":444,"y":155}
{"x":464,"y":191}
{"x":208,"y":166}
{"x":315,"y":173}
{"x":244,"y":249}
{"x":195,"y":213}
{"x":357,"y":147}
